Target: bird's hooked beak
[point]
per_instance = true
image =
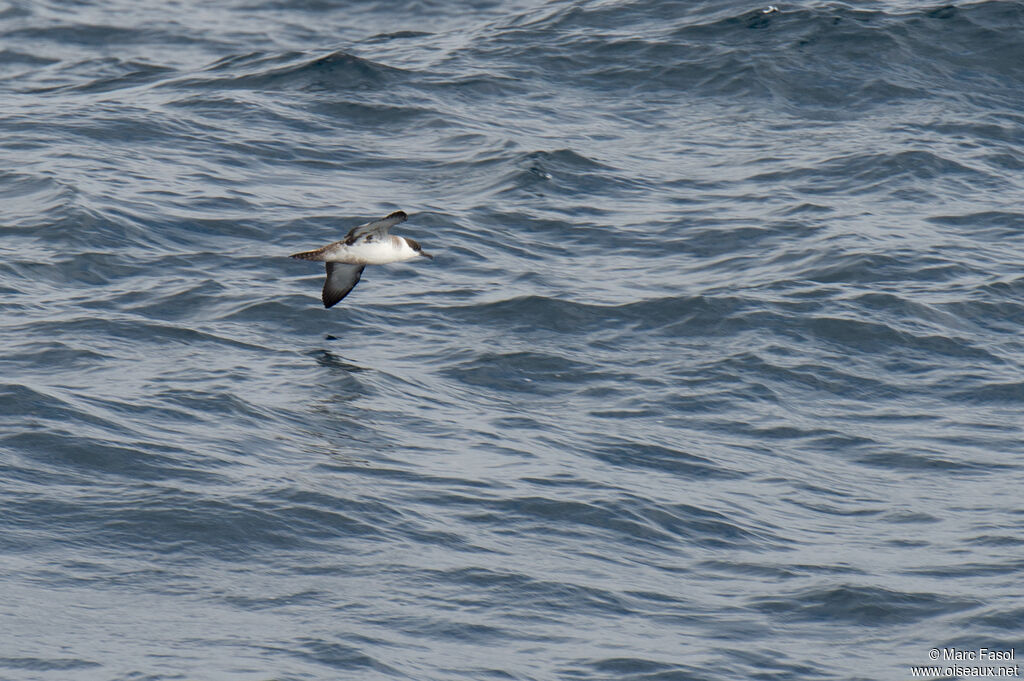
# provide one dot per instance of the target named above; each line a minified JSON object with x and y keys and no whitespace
{"x":426,"y":255}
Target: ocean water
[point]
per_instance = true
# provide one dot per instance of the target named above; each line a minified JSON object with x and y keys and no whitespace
{"x":717,"y":373}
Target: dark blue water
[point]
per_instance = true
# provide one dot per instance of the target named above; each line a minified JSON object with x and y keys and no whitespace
{"x":717,"y":374}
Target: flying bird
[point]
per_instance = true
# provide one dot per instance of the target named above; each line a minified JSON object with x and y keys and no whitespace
{"x":368,"y":244}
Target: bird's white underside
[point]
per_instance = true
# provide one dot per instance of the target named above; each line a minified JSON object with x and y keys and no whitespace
{"x":379,"y":251}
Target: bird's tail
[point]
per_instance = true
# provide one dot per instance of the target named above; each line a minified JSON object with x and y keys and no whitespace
{"x":318,"y":254}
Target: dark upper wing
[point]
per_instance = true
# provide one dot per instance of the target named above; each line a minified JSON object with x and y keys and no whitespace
{"x":341,"y":278}
{"x":379,"y":227}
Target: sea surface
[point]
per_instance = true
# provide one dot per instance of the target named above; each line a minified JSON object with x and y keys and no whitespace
{"x":717,"y":374}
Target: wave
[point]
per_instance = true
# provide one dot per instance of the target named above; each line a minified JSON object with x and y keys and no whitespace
{"x":336,"y":71}
{"x":830,"y":56}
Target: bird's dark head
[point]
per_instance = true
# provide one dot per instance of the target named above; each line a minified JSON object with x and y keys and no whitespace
{"x":416,"y":247}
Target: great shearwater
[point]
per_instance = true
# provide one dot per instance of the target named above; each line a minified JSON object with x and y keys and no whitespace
{"x":368,"y":244}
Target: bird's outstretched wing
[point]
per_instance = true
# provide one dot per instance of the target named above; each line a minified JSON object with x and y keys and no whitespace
{"x":376,"y":228}
{"x":341,"y":278}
